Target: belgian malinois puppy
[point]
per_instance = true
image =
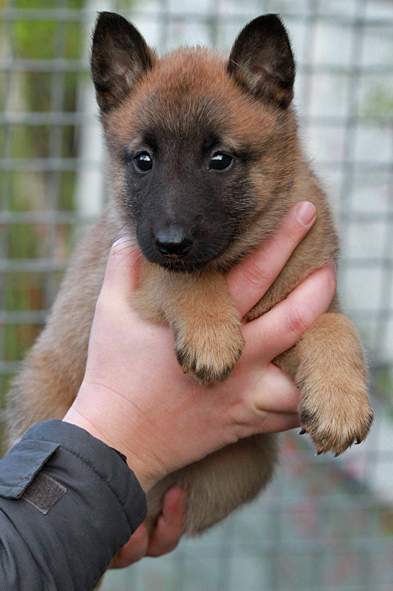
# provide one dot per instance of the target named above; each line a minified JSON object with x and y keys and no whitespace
{"x":203,"y":162}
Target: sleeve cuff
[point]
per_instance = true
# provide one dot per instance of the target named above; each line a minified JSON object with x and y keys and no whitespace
{"x":26,"y":459}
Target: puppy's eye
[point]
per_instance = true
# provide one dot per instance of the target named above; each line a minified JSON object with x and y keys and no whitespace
{"x":220,"y":161}
{"x":143,"y":162}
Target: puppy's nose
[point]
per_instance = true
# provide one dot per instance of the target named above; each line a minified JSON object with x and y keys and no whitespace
{"x":173,"y":243}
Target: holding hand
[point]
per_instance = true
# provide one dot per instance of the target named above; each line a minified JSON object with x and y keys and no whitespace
{"x":136,"y":398}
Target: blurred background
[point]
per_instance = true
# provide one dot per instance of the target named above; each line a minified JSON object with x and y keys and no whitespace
{"x":324,"y":524}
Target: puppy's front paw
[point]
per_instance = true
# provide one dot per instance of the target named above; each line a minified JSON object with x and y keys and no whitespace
{"x":332,"y":376}
{"x":343,"y":418}
{"x":211,"y":353}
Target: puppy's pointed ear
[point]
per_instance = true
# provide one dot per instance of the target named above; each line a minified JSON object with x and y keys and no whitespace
{"x":119,"y":58}
{"x":261,"y":61}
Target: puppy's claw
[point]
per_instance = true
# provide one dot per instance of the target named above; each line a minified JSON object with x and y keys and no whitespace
{"x":334,"y":435}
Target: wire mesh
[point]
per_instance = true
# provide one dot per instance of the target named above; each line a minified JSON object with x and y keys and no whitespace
{"x":322,"y":525}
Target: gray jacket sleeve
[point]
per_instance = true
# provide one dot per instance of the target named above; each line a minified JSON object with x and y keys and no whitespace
{"x":68,"y":503}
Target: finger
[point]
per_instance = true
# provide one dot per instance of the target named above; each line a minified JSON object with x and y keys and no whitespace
{"x":284,"y":324}
{"x":170,"y":524}
{"x":279,"y":422}
{"x":248,"y":281}
{"x":134,"y":550}
{"x":121,"y":272}
{"x":276,"y":399}
{"x":275,"y":392}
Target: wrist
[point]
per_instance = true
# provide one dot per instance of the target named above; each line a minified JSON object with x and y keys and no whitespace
{"x":102,"y":428}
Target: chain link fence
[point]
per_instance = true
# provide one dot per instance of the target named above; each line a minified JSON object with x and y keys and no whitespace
{"x":323,"y":524}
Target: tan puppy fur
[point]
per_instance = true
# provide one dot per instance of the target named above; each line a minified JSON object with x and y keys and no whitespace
{"x":203,"y":162}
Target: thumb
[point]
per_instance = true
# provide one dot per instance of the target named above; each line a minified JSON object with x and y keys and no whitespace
{"x":121,"y":273}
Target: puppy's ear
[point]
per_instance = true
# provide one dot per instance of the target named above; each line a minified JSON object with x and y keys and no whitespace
{"x":261,"y":61}
{"x":119,"y":58}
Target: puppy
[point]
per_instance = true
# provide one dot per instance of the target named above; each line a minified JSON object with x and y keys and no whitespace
{"x":203,"y":162}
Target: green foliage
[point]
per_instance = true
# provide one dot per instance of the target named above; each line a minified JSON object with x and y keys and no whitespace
{"x":36,"y":91}
{"x":35,"y":40}
{"x":46,"y":4}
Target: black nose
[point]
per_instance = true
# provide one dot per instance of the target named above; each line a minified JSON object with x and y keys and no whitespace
{"x":173,"y":243}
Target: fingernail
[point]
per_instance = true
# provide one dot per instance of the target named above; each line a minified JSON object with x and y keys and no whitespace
{"x":121,"y":241}
{"x":306,"y":212}
{"x":332,"y":265}
{"x":174,"y":501}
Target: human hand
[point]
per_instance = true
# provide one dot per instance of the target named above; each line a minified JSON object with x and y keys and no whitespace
{"x":135,"y":396}
{"x":166,"y":534}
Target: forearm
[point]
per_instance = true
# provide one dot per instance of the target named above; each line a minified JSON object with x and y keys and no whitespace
{"x":93,"y":501}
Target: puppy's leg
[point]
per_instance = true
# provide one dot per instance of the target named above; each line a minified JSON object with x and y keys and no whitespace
{"x":329,"y":368}
{"x":208,"y":340}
